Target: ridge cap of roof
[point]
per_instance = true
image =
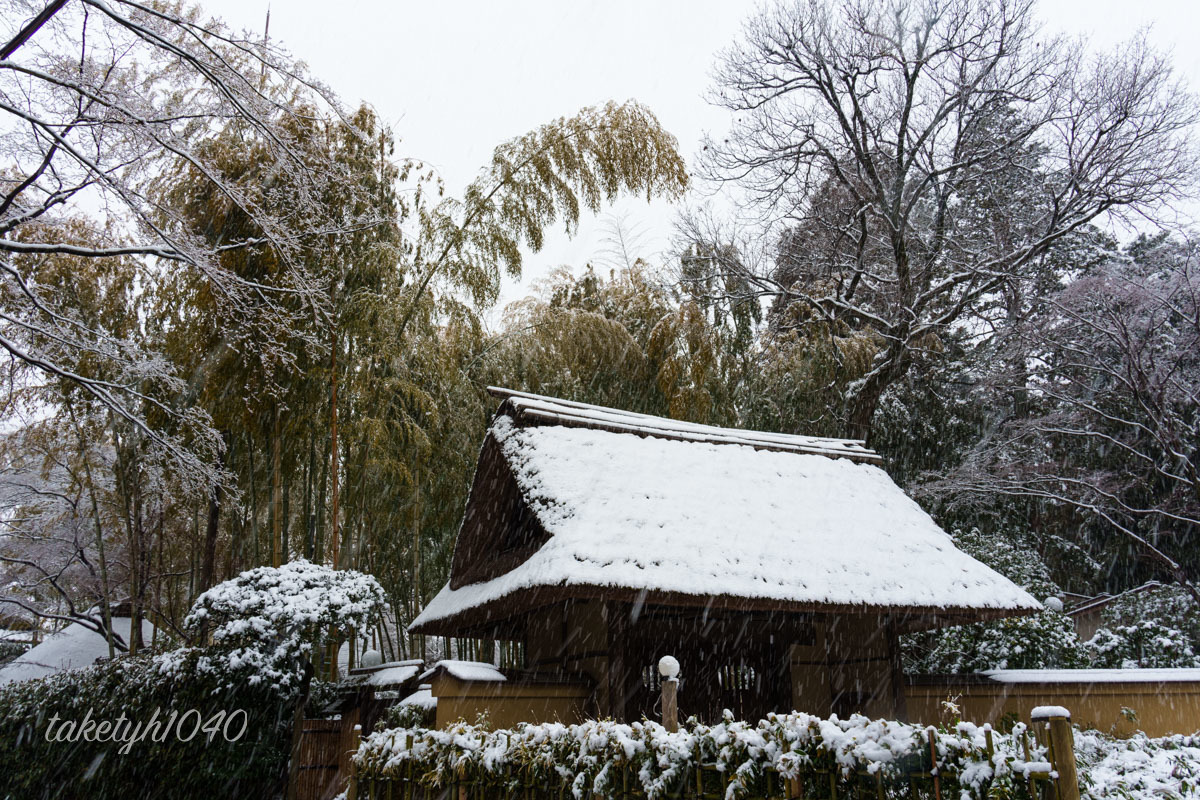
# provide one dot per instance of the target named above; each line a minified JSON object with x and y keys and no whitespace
{"x":531,"y":409}
{"x":1104,"y":598}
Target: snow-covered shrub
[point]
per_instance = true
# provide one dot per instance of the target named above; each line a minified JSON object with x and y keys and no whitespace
{"x":1138,"y":767}
{"x":1046,"y":640}
{"x":596,"y":757}
{"x":143,"y":691}
{"x":1148,"y":643}
{"x":1158,"y":627}
{"x":263,"y":624}
{"x":1171,"y":605}
{"x":11,"y":650}
{"x":270,"y":618}
{"x":407,"y":715}
{"x":1012,"y":553}
{"x":1042,"y":641}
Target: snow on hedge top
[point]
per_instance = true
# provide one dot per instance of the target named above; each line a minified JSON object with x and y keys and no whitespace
{"x":721,"y":519}
{"x":267,"y":603}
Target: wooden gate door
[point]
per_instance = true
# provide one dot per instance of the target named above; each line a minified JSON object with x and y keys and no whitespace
{"x":325,"y":749}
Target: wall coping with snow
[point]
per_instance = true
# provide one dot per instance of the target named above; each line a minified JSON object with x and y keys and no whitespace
{"x":1061,"y":676}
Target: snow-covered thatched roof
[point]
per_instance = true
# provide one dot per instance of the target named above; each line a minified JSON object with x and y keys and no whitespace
{"x":576,"y":500}
{"x":74,"y":647}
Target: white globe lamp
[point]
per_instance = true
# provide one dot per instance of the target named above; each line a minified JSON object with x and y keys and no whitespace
{"x":668,"y":667}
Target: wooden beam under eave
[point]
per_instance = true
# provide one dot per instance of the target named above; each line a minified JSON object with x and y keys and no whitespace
{"x":896,"y":662}
{"x":616,"y":615}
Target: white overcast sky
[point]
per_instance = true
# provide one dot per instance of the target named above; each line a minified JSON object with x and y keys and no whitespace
{"x":457,"y":78}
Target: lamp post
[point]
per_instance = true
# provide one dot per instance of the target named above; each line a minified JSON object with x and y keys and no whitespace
{"x":668,"y":668}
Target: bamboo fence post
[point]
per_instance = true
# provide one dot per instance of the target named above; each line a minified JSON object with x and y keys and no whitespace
{"x":409,"y":790}
{"x":1025,"y":750}
{"x":933,"y":768}
{"x":352,"y":787}
{"x":1061,"y":741}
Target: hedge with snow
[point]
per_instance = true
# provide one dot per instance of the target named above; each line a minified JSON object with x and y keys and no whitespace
{"x":590,"y":758}
{"x":263,"y":625}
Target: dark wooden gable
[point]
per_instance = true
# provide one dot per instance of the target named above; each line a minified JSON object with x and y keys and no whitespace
{"x":499,"y":531}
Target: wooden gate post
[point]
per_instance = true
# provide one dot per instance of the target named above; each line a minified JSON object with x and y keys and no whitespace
{"x":352,"y":787}
{"x":668,"y":669}
{"x":1061,"y":739}
{"x":670,"y":705}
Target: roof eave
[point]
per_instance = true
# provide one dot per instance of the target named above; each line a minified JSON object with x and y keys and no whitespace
{"x":501,"y":612}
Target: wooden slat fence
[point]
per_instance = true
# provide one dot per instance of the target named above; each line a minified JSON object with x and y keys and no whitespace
{"x":325,"y":749}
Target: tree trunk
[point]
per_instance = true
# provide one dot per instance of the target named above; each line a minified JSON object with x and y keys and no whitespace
{"x":322,"y":489}
{"x":254,"y":505}
{"x":276,"y":493}
{"x":309,"y":470}
{"x":105,"y":598}
{"x":158,"y":571}
{"x":864,"y":404}
{"x":208,"y":562}
{"x":333,"y":451}
{"x":285,"y":508}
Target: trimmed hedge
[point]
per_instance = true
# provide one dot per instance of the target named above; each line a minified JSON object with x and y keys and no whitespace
{"x":252,"y":766}
{"x":266,"y":622}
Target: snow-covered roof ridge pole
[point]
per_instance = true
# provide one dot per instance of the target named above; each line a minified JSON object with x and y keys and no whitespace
{"x":528,"y":408}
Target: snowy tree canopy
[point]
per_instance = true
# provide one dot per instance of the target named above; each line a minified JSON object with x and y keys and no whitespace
{"x":911,"y":161}
{"x":287,"y":607}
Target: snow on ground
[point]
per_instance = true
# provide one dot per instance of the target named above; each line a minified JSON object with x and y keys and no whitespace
{"x":711,"y":519}
{"x":73,"y":647}
{"x":466,"y":670}
{"x":1161,"y":675}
